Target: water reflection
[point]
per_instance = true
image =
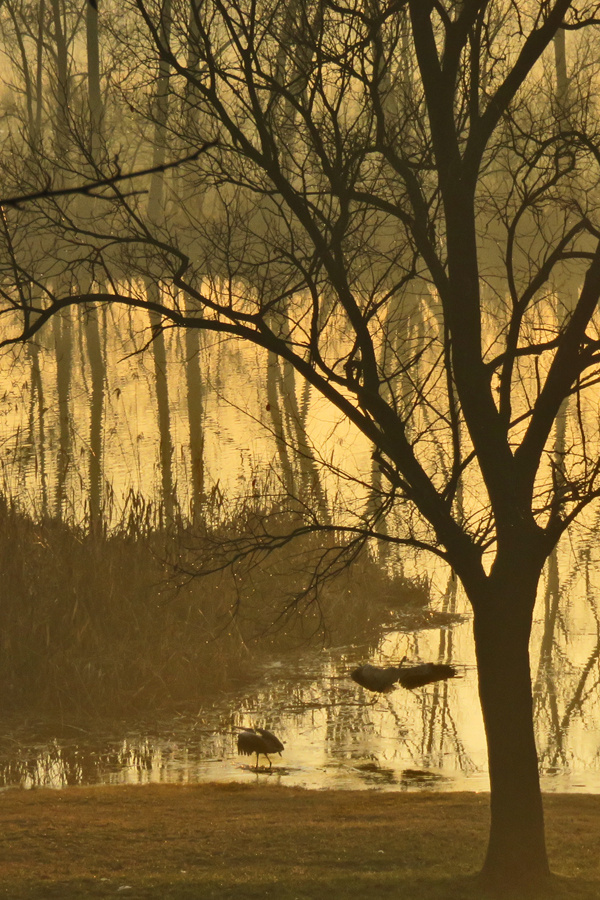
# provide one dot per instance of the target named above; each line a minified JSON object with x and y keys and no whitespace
{"x":335,"y":735}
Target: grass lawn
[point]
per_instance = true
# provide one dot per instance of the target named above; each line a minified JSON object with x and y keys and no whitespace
{"x":180,"y":842}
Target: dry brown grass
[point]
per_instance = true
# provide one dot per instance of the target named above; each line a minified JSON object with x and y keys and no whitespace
{"x":247,"y":841}
{"x":95,"y":624}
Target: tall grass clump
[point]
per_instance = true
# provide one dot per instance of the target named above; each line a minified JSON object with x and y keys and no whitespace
{"x":96,"y":623}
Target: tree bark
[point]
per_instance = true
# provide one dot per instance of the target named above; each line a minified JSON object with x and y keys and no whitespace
{"x":516,"y":850}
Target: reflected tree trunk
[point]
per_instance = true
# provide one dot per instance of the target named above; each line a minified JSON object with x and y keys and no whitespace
{"x":159,"y":353}
{"x":62,"y":323}
{"x":560,"y":61}
{"x":544,"y":686}
{"x":374,"y":512}
{"x":92,"y":328}
{"x":556,"y":753}
{"x":311,"y":488}
{"x":439,"y":712}
{"x":293,"y":63}
{"x":37,"y":424}
{"x":155,"y":212}
{"x":61,"y":113}
{"x":552,"y":595}
{"x":93,"y":81}
{"x":195,"y":412}
{"x":63,"y":351}
{"x":274,"y":408}
{"x":33,"y":83}
{"x":188,"y":198}
{"x":39,"y":76}
{"x":98,"y":376}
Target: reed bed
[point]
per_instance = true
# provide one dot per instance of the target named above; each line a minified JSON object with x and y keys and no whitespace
{"x":109,"y":624}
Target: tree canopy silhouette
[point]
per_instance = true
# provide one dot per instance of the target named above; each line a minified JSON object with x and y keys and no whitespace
{"x":400,"y":201}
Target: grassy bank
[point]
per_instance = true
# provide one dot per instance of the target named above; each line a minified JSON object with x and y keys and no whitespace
{"x":230,"y":841}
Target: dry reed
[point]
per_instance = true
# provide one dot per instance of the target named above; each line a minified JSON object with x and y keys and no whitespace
{"x":95,"y":623}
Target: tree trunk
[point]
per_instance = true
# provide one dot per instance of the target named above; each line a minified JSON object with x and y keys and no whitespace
{"x":38,"y":436}
{"x":516,"y":851}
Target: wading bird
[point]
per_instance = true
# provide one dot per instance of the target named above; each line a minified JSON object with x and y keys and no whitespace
{"x":258,"y":740}
{"x":383,"y":680}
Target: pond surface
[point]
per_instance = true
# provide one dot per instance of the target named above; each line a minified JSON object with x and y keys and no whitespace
{"x":336,"y":735}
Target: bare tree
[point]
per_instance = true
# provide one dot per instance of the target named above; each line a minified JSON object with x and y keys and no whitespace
{"x":367,"y":154}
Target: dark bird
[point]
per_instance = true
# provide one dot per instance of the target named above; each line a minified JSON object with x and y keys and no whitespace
{"x":416,"y":676}
{"x":382,"y":680}
{"x":258,"y":740}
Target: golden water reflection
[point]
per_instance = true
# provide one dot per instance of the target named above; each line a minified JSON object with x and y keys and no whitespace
{"x":336,"y":736}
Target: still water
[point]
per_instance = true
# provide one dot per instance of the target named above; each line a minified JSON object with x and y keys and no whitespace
{"x":335,"y":735}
